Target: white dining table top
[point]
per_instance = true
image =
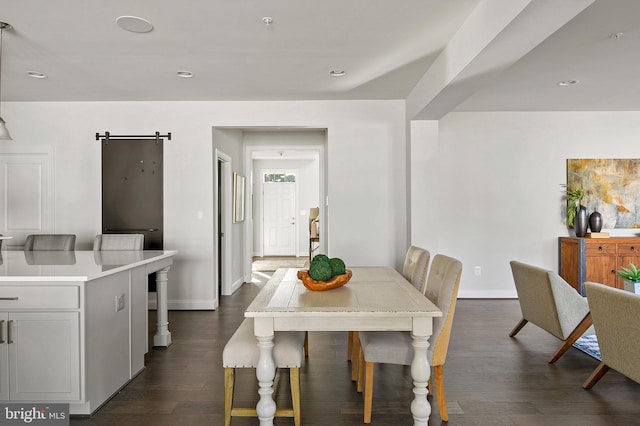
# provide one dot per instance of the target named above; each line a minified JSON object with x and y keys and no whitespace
{"x":372,"y":291}
{"x":72,"y":265}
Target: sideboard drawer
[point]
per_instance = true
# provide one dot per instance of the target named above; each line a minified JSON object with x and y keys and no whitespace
{"x":600,"y":248}
{"x":633,"y":249}
{"x":50,"y":297}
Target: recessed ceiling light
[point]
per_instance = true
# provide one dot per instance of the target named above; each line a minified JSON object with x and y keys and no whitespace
{"x":568,"y":82}
{"x":134,"y":24}
{"x":36,"y":74}
{"x":337,"y":73}
{"x":267,"y":20}
{"x":184,"y":74}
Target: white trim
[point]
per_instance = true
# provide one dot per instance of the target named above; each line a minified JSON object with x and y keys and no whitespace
{"x":489,"y":294}
{"x":225,"y":184}
{"x":184,"y":305}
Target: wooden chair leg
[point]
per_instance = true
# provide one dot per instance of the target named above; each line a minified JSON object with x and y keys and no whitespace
{"x":229,"y":381}
{"x":518,"y":327}
{"x":294,"y":379}
{"x":597,"y":374}
{"x":349,"y":344}
{"x":306,"y":344}
{"x":368,"y":390}
{"x":360,"y":383}
{"x":575,"y":334}
{"x":438,"y":373}
{"x":355,"y":350}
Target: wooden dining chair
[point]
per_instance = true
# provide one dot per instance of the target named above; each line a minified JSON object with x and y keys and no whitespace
{"x":241,"y":351}
{"x":414,"y":270}
{"x":50,"y":242}
{"x":395,"y":347}
{"x":415,"y":267}
{"x":118,"y":242}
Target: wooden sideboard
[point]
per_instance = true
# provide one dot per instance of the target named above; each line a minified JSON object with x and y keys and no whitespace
{"x":596,"y":259}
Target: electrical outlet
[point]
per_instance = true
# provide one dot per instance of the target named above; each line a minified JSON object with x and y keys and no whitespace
{"x":119,"y":303}
{"x":478,"y":271}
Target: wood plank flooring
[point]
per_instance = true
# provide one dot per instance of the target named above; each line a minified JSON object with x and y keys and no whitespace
{"x":490,"y":379}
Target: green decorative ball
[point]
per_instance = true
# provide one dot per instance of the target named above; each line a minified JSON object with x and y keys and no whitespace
{"x":320,"y":270}
{"x":320,"y":257}
{"x":337,"y":266}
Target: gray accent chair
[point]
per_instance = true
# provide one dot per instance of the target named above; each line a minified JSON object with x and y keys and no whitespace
{"x":415,"y":267}
{"x":617,"y":324}
{"x":549,"y":302}
{"x":395,"y":347}
{"x":119,"y":242}
{"x":50,"y":242}
{"x":241,"y":351}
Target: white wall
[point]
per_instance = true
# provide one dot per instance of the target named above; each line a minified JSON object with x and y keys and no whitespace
{"x":497,"y":191}
{"x":365,"y":179}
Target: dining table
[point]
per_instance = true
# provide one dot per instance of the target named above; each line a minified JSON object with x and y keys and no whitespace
{"x":377,"y":298}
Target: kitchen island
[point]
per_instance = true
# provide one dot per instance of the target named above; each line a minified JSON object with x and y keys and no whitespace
{"x":74,"y":325}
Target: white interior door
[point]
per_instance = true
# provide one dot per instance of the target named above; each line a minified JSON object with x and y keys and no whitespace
{"x":279,"y":220}
{"x":25,"y":195}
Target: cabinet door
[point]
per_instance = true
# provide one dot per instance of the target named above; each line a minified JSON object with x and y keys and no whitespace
{"x":44,"y":356}
{"x":601,"y":269}
{"x":4,"y":359}
{"x":624,"y":262}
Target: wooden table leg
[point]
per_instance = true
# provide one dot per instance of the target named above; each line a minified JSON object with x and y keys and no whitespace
{"x":265,"y":373}
{"x":420,"y":372}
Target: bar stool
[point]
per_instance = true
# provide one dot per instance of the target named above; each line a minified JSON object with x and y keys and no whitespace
{"x":241,"y":351}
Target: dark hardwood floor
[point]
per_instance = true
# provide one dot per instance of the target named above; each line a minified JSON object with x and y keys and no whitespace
{"x":490,"y":379}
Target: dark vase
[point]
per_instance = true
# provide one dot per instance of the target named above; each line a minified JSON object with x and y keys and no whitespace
{"x":581,"y":222}
{"x":595,"y":222}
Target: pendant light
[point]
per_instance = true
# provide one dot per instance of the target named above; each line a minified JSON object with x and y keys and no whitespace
{"x":4,"y":132}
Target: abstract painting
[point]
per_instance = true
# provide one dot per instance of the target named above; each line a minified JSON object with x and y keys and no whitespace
{"x":612,"y":187}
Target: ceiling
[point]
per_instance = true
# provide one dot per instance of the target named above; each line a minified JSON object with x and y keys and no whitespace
{"x":385,"y":47}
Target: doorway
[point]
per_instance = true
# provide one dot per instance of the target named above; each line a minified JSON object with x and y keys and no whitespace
{"x":279,"y":225}
{"x":223,"y":183}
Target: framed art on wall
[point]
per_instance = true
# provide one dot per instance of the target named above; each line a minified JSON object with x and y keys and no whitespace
{"x":238,"y":198}
{"x":611,"y":186}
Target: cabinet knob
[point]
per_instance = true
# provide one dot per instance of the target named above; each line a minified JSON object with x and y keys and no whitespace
{"x":613,"y":271}
{"x":599,"y":248}
{"x":633,"y":248}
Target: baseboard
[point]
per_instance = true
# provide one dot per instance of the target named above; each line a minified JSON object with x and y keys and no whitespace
{"x":495,"y":294}
{"x":183,"y":305}
{"x":236,"y":285}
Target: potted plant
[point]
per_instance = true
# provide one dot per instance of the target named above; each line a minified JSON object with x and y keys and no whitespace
{"x":574,"y":198}
{"x":631,"y":278}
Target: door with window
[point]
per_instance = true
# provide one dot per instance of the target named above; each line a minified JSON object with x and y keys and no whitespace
{"x":279,"y":214}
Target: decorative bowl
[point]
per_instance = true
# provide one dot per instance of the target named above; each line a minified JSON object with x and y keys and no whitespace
{"x":315,"y":285}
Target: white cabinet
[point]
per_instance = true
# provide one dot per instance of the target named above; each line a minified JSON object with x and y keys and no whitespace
{"x":26,"y":336}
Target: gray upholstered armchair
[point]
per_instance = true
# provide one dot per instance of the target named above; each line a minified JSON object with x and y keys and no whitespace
{"x":617,"y":324}
{"x":549,"y":302}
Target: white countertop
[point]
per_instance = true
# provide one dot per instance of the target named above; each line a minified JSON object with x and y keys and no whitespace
{"x":72,"y":265}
